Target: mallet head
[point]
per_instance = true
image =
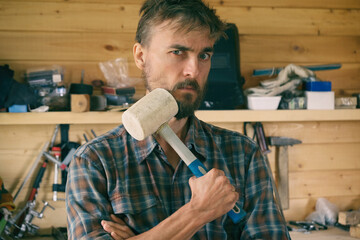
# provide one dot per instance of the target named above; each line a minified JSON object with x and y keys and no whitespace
{"x":149,"y":113}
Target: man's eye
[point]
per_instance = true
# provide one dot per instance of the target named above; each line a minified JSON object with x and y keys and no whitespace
{"x":205,"y":56}
{"x":177,"y":52}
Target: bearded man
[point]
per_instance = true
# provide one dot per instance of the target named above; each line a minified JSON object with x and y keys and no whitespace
{"x":121,"y":188}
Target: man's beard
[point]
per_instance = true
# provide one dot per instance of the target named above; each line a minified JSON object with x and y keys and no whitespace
{"x":187,"y":105}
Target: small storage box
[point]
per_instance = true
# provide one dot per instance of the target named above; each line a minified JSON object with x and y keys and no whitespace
{"x":318,"y":86}
{"x":18,"y":108}
{"x":320,"y":100}
{"x":263,"y":103}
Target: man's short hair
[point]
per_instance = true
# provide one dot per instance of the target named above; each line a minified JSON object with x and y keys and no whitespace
{"x":188,"y":15}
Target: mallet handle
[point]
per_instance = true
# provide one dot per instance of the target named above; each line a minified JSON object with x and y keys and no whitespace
{"x":195,"y":165}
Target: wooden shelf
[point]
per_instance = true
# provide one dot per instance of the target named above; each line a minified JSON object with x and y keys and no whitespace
{"x":208,"y":116}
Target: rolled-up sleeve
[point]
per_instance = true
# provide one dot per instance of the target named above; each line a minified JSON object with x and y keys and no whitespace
{"x":86,"y":198}
{"x":264,"y":216}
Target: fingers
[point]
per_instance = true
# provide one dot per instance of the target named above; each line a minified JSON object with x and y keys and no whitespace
{"x":117,"y":228}
{"x":116,"y":219}
{"x":115,"y":236}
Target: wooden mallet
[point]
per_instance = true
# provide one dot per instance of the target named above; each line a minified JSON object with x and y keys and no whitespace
{"x":150,"y":115}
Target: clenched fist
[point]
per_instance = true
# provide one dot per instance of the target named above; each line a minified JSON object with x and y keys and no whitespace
{"x":212,"y":194}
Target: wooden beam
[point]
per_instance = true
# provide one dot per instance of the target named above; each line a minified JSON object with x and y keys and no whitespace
{"x":282,"y":175}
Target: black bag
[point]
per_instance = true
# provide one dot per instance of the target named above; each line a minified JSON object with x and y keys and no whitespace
{"x":224,"y":86}
{"x":13,"y":92}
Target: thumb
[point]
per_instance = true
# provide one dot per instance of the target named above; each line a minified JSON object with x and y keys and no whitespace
{"x":191,"y":180}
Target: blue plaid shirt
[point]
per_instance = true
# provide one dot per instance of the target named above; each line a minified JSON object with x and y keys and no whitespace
{"x":117,"y":174}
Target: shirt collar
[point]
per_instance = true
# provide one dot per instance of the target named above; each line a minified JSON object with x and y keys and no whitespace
{"x":144,"y":147}
{"x":196,"y":138}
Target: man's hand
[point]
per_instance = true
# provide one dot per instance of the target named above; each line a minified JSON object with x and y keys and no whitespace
{"x":117,"y":228}
{"x":212,"y":194}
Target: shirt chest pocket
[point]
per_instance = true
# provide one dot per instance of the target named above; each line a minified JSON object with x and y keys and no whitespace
{"x":141,"y":212}
{"x":133,"y":204}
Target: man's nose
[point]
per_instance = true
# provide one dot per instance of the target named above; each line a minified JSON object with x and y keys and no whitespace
{"x":191,"y":68}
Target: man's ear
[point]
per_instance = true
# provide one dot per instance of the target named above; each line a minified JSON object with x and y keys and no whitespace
{"x":139,"y":55}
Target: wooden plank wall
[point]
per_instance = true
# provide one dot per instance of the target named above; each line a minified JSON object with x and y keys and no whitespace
{"x":78,"y":34}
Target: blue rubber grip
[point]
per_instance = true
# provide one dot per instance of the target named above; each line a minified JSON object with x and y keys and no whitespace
{"x":199,"y":170}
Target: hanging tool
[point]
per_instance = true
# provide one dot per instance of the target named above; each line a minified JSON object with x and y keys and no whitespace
{"x":275,"y":71}
{"x":282,"y":166}
{"x":151,"y":114}
{"x":56,"y":151}
{"x":45,"y":147}
{"x":26,"y":226}
{"x":256,"y":131}
{"x":67,"y":151}
{"x":57,"y":162}
{"x":307,"y":226}
{"x":23,"y":223}
{"x":86,"y":139}
{"x":92,"y":131}
{"x":62,"y":165}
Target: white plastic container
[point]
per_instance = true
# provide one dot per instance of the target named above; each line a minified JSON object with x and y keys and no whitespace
{"x":320,"y":100}
{"x":263,"y":103}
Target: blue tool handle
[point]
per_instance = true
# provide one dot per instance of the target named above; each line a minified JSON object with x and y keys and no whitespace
{"x":199,"y":170}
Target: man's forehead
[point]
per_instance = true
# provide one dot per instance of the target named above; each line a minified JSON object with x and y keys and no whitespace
{"x":173,"y":33}
{"x":178,"y":28}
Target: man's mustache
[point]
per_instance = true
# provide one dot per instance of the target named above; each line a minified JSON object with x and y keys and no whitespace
{"x":188,"y":83}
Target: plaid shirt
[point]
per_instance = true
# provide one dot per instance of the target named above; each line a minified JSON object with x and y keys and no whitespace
{"x":115,"y":173}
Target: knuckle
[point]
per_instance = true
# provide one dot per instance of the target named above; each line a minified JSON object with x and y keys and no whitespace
{"x":218,"y":172}
{"x":223,"y":180}
{"x":235,"y":196}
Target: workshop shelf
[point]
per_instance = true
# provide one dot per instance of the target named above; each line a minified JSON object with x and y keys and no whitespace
{"x":226,"y":116}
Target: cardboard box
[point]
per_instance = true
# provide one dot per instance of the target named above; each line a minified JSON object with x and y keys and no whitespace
{"x":320,"y":100}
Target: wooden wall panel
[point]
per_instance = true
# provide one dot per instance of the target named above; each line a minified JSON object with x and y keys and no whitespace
{"x":324,"y":183}
{"x":292,"y":21}
{"x":353,"y":4}
{"x":329,"y":156}
{"x":65,"y":46}
{"x":344,"y":4}
{"x":123,"y":18}
{"x":301,"y":49}
{"x":68,"y":17}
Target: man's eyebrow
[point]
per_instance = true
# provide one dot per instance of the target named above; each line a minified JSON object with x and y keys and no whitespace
{"x":184,"y":48}
{"x":208,"y":49}
{"x":181,"y":47}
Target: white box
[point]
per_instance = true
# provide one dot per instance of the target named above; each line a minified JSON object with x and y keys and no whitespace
{"x":263,"y":103}
{"x":320,"y":100}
